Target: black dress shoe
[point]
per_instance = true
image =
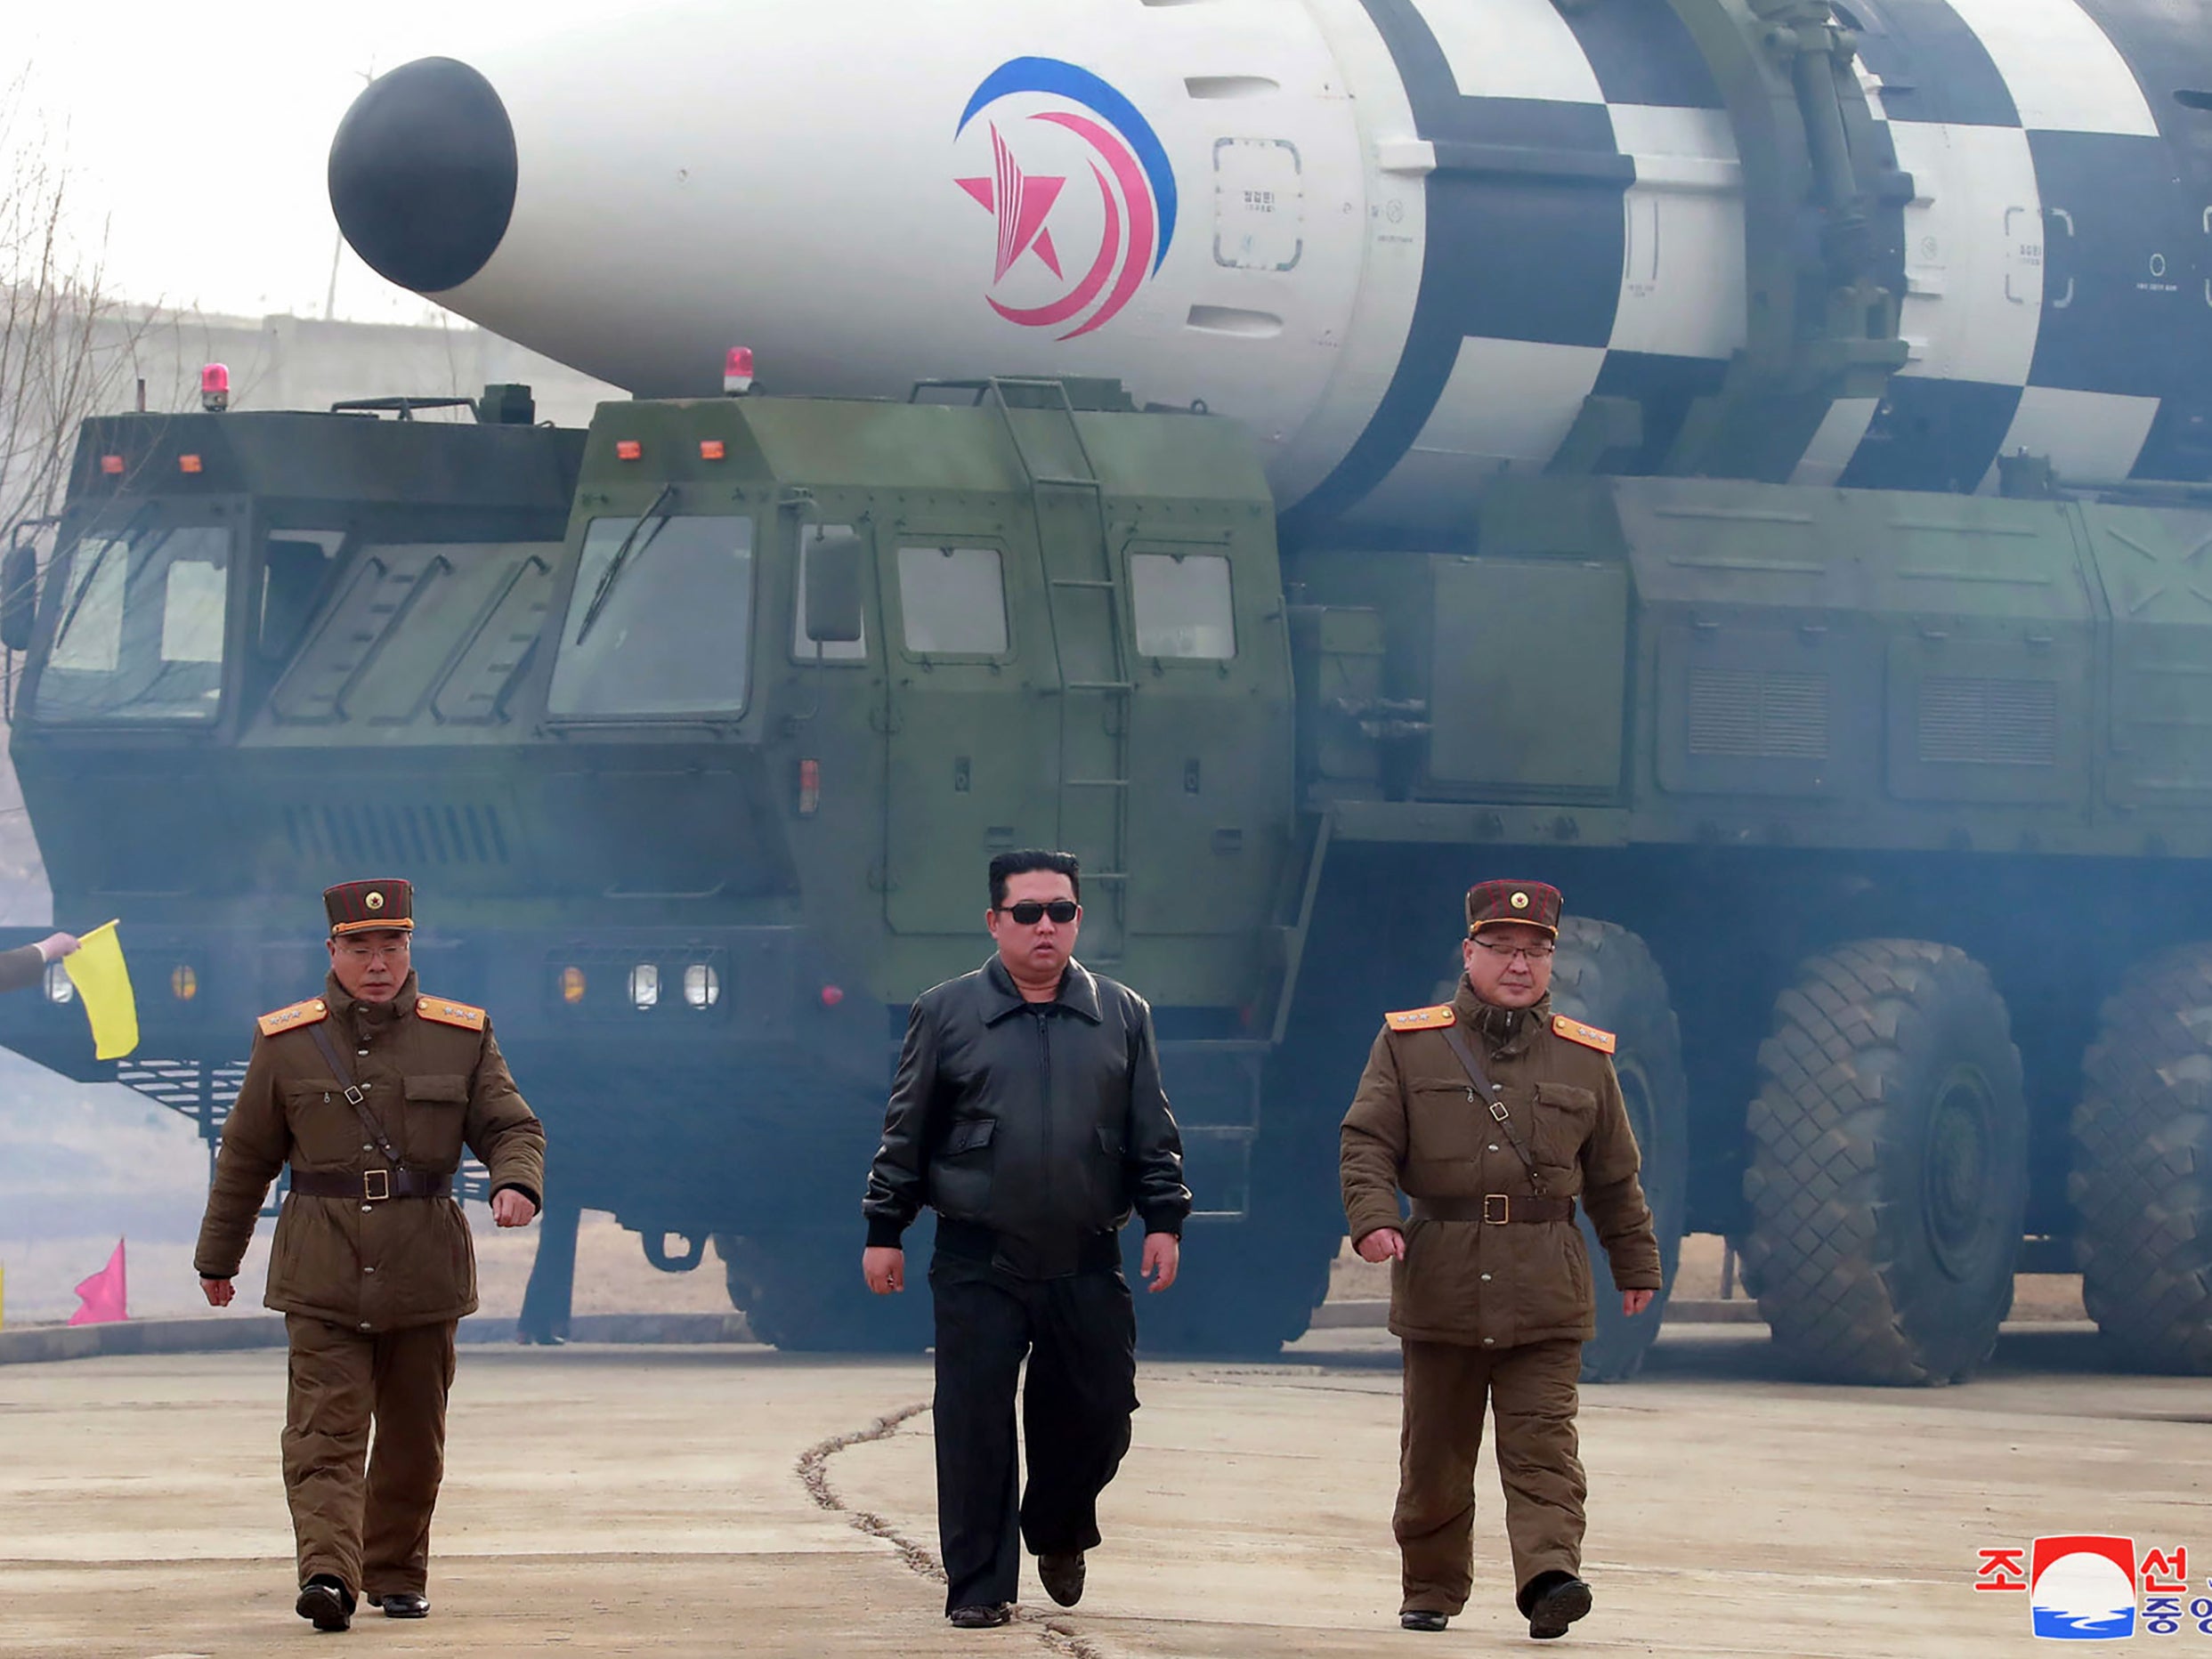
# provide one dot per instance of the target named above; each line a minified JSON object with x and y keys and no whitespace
{"x":1423,"y":1619}
{"x":326,"y":1602}
{"x":1551,"y":1609}
{"x":404,"y":1605}
{"x":982,"y":1617}
{"x":1062,"y":1576}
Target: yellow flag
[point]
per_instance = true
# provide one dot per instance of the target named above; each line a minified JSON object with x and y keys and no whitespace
{"x":102,"y":979}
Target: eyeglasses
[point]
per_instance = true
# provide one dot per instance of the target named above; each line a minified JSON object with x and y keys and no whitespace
{"x":1029,"y":913}
{"x":370,"y":952}
{"x":1533,"y":952}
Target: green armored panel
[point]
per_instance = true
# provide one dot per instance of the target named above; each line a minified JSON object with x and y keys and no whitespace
{"x":1767,"y":678}
{"x":1992,"y":653}
{"x":418,"y":633}
{"x":2156,"y":570}
{"x":1502,"y":715}
{"x":972,"y":714}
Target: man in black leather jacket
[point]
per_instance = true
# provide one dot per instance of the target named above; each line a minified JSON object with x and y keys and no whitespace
{"x":1028,"y":1114}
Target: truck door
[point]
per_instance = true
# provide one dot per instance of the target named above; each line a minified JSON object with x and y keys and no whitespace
{"x":969,"y":716}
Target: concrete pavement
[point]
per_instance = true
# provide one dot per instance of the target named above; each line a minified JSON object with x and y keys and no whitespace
{"x":671,"y":1502}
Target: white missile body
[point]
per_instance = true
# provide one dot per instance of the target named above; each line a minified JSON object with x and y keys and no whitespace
{"x":1403,"y":240}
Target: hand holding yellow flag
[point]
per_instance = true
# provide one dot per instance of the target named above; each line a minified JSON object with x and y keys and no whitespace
{"x":98,"y":972}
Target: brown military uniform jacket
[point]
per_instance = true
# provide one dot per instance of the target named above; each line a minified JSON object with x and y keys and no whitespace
{"x":1415,"y":1125}
{"x":435,"y":1082}
{"x":21,"y":967}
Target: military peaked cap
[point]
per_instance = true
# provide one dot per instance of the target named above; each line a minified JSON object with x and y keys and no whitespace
{"x":363,"y":906}
{"x":1532,"y":903}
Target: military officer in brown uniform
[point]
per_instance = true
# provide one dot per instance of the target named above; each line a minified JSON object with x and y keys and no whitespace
{"x":1494,"y":1115}
{"x":369,"y":1092}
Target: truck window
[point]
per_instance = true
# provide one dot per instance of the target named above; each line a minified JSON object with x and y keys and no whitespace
{"x":296,"y":567}
{"x":811,"y":537}
{"x":138,"y":628}
{"x":1182,"y":605}
{"x":954,"y":601}
{"x":660,"y":622}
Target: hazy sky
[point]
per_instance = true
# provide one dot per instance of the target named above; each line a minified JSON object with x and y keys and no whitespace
{"x":198,"y":135}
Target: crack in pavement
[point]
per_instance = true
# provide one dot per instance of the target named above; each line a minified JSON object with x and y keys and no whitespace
{"x":812,"y":1469}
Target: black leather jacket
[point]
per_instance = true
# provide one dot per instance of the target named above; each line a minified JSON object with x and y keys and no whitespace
{"x":1043,"y":1121}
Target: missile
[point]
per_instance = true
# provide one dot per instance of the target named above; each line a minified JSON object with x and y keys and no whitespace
{"x":1411,"y":244}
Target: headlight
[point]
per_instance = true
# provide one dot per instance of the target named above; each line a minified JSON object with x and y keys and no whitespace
{"x":644,"y":986}
{"x":703,"y":986}
{"x":59,"y":989}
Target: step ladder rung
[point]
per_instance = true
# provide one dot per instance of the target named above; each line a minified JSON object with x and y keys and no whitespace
{"x":1108,"y":583}
{"x":1095,"y":783}
{"x":1099,"y":686}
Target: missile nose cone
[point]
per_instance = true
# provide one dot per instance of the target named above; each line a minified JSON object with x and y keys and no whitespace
{"x":422,"y":174}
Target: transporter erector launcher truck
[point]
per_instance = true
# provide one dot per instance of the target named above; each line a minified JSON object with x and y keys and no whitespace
{"x":1744,"y":463}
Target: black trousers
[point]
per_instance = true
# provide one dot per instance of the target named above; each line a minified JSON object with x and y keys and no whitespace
{"x":1080,"y":1336}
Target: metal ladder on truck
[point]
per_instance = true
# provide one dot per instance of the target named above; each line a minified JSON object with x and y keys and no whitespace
{"x":1084,"y":593}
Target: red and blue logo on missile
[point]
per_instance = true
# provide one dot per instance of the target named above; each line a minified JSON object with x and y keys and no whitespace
{"x":1136,"y":188}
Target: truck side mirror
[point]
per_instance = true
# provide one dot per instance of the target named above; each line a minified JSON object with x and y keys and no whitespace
{"x":19,"y":596}
{"x":833,"y":588}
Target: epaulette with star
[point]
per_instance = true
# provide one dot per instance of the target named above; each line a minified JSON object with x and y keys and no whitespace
{"x":1588,"y":1036}
{"x":449,"y":1013}
{"x":1420,"y":1019}
{"x":300,"y":1013}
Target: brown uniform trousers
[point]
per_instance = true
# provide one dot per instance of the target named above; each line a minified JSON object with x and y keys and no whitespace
{"x":362,"y":1512}
{"x":1531,"y":1389}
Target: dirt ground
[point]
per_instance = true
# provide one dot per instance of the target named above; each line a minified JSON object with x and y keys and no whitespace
{"x":697,"y":1502}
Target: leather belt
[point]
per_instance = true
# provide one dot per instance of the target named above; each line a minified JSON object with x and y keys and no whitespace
{"x":1496,"y":1209}
{"x":371,"y":1187}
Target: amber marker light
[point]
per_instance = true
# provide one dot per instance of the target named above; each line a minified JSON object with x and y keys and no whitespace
{"x":184,"y":983}
{"x":571,"y":984}
{"x":628,"y":449}
{"x":188,"y":463}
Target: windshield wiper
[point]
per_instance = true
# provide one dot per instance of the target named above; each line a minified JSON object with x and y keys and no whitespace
{"x":629,"y":543}
{"x":85,"y":588}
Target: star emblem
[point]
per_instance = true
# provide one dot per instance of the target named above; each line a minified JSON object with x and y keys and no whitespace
{"x":1021,"y":202}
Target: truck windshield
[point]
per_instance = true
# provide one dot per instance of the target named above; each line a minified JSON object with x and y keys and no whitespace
{"x":138,"y":628}
{"x":669,"y":633}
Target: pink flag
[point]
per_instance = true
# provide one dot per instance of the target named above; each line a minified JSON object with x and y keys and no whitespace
{"x":103,"y":1295}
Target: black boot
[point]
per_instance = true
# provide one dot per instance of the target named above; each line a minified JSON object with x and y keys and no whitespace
{"x":1553,"y":1601}
{"x":1062,"y":1576}
{"x":326,"y":1602}
{"x":404,"y":1603}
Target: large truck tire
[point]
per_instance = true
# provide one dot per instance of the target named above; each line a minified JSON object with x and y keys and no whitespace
{"x":1605,"y":976}
{"x":1889,"y":1168}
{"x":803,"y":1293}
{"x":2142,"y":1180}
{"x":1244,"y":1288}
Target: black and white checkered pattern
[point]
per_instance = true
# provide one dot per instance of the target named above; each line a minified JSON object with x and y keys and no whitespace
{"x":1585,"y":235}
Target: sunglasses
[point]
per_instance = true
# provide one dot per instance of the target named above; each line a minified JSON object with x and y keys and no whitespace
{"x":1029,"y":913}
